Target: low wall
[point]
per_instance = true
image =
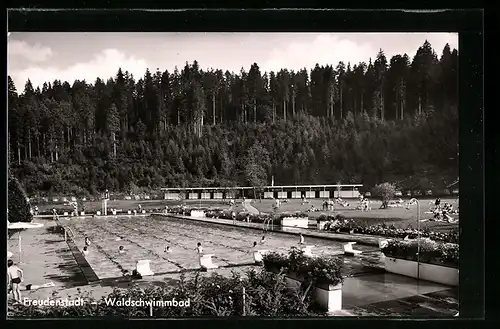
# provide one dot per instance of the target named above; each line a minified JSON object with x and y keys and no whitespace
{"x":295,"y":222}
{"x":328,"y":297}
{"x":197,"y":213}
{"x":428,"y":272}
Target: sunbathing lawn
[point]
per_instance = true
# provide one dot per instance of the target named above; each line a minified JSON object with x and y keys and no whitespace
{"x":93,"y":206}
{"x":146,"y":237}
{"x":399,"y":217}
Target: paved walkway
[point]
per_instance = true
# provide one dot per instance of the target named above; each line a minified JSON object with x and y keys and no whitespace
{"x":358,"y":238}
{"x":251,"y":209}
{"x":45,"y":257}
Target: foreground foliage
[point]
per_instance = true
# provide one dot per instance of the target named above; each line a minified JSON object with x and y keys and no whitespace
{"x":265,"y":294}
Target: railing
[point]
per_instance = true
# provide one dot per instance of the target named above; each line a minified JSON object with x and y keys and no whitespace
{"x":66,"y":229}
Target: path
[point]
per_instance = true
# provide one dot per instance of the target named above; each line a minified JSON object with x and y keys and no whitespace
{"x":251,"y":209}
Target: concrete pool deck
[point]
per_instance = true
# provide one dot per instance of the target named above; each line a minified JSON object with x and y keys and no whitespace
{"x":46,"y":257}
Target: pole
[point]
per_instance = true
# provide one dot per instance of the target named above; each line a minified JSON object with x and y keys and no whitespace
{"x":20,"y":247}
{"x":151,"y":310}
{"x":418,"y":240}
{"x":244,"y":313}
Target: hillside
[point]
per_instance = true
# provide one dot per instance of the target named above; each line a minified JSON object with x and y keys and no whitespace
{"x":391,"y":120}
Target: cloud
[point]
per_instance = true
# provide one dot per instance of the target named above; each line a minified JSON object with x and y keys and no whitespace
{"x":35,"y":53}
{"x":324,"y":49}
{"x":104,"y":65}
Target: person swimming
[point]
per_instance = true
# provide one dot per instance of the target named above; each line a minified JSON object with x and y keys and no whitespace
{"x":85,"y":251}
{"x":87,"y":241}
{"x":254,"y":244}
{"x":301,"y":239}
{"x":167,"y":249}
{"x":121,"y":250}
{"x":263,"y":239}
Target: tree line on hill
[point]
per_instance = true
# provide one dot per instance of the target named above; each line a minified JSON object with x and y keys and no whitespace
{"x":365,"y":123}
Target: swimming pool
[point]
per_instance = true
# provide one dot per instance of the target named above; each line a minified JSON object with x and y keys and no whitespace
{"x":146,"y":237}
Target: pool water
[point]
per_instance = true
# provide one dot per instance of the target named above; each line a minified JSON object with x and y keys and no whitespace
{"x":146,"y":237}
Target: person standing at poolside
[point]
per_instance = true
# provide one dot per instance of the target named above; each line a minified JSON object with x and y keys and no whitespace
{"x":15,"y":276}
{"x":199,"y":249}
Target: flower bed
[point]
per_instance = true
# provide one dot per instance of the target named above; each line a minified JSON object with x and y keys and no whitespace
{"x":293,"y":215}
{"x":437,"y":261}
{"x":322,"y":274}
{"x":324,"y":270}
{"x":431,"y":252}
{"x":242,"y":216}
{"x":340,"y":224}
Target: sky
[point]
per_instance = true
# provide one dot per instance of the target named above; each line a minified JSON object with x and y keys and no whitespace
{"x":44,"y":56}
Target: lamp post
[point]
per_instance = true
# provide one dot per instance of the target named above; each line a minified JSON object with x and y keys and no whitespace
{"x":418,"y":240}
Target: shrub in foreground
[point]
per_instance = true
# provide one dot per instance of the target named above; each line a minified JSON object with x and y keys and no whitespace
{"x":265,"y":294}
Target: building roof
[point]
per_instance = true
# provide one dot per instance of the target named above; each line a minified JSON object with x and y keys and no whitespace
{"x":263,"y":187}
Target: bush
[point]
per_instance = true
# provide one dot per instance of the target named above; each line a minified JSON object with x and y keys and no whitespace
{"x":314,"y":269}
{"x":266,"y":294}
{"x":431,"y":252}
{"x":19,"y":204}
{"x":385,"y":192}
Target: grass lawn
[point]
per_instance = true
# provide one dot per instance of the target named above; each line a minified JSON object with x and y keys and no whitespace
{"x":92,"y":206}
{"x":399,"y":217}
